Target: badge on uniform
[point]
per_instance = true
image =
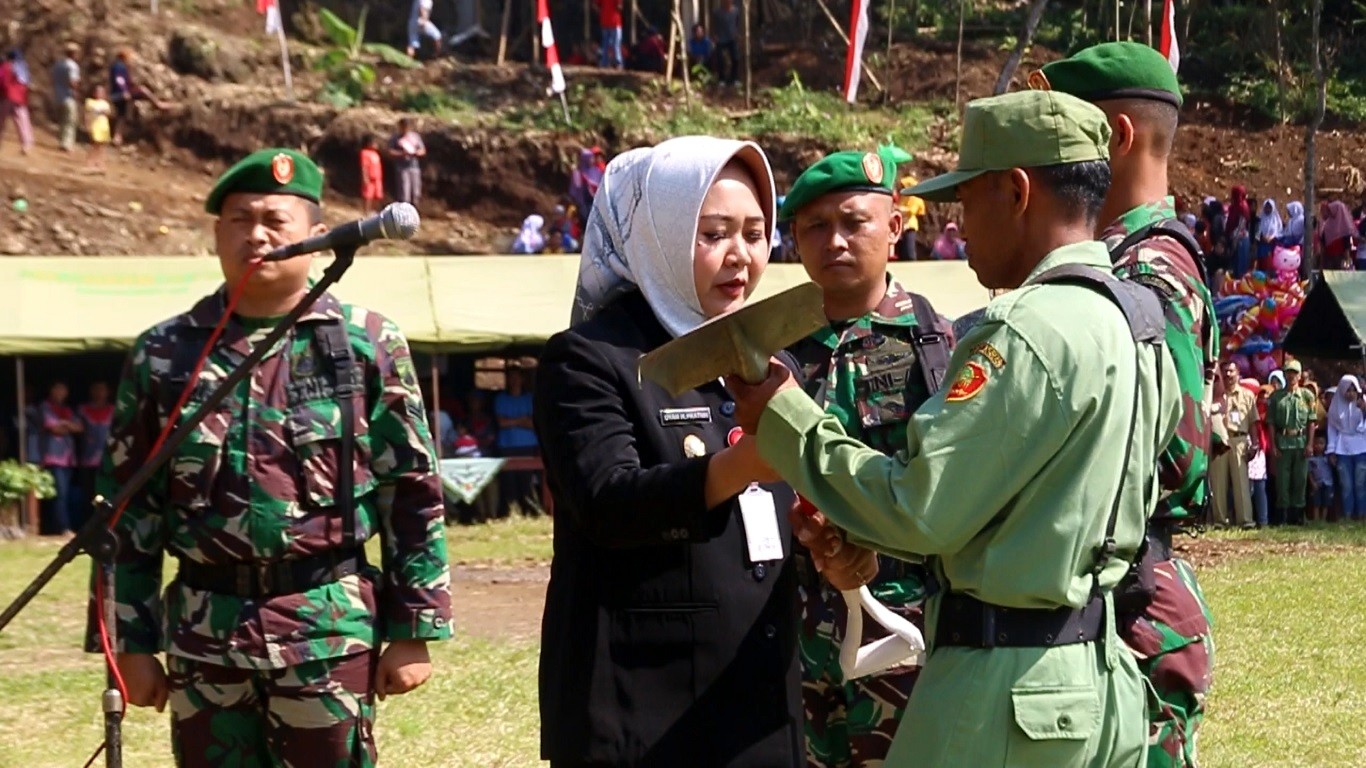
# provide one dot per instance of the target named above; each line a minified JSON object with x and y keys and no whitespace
{"x":673,"y":416}
{"x":991,"y":354}
{"x":759,"y":517}
{"x":969,"y":383}
{"x":693,"y":447}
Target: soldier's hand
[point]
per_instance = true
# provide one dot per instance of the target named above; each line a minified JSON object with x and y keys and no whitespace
{"x":144,"y":678}
{"x":403,"y":666}
{"x":751,"y":399}
{"x":851,"y":567}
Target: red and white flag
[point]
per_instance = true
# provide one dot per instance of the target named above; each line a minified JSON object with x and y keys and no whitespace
{"x":1169,"y":46}
{"x":271,"y":9}
{"x":552,"y":53}
{"x":853,"y":62}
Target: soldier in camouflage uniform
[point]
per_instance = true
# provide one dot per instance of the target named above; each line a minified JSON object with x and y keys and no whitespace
{"x":274,"y":622}
{"x":1171,"y":635}
{"x":865,"y":368}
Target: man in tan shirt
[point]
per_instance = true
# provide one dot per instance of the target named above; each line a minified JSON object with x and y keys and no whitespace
{"x":1238,"y":410}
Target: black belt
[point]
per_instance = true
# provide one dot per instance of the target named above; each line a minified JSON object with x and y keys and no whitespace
{"x":269,"y":578}
{"x":969,"y":622}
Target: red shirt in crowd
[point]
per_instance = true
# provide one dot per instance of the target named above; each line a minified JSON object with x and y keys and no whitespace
{"x":371,"y":174}
{"x":609,"y":13}
{"x":15,"y":92}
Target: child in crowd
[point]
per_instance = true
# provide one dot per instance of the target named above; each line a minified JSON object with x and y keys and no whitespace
{"x":371,"y":174}
{"x":97,"y":111}
{"x":1320,"y":481}
{"x":466,"y":444}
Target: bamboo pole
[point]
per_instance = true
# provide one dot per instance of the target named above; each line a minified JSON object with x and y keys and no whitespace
{"x":669,"y":60}
{"x":503,"y":32}
{"x":745,"y":11}
{"x":631,"y":39}
{"x":891,"y":25}
{"x":535,"y":37}
{"x":687,"y":76}
{"x":958,"y":64}
{"x":834,"y":22}
{"x":436,"y":408}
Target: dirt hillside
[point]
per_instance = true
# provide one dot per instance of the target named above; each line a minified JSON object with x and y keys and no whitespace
{"x":222,"y":86}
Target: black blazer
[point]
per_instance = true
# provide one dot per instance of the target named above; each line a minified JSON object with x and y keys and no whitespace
{"x":661,"y":645}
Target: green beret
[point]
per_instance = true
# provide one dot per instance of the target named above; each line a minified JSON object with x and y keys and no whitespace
{"x":1124,"y":70}
{"x":1026,"y":129}
{"x":270,"y":172}
{"x":848,"y":171}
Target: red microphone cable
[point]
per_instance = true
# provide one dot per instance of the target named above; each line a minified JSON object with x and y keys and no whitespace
{"x":234,"y":296}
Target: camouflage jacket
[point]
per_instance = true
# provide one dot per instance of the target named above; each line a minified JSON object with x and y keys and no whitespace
{"x":867,"y":376}
{"x":257,"y":481}
{"x":1183,"y":466}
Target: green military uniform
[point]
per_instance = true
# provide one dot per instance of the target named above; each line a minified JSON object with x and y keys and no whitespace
{"x":866,"y":373}
{"x":282,"y":673}
{"x":1293,"y":415}
{"x":1170,"y":633}
{"x":1006,"y":482}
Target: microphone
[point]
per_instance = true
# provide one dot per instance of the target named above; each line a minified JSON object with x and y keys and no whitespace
{"x":398,"y":221}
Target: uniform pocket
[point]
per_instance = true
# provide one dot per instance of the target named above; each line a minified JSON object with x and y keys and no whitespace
{"x":316,"y":434}
{"x":194,"y":468}
{"x":1053,"y":725}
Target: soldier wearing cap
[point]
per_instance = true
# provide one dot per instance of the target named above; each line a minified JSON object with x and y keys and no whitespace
{"x":882,"y":356}
{"x":274,"y":622}
{"x":1170,"y":631}
{"x":1294,"y":422}
{"x":1026,"y":481}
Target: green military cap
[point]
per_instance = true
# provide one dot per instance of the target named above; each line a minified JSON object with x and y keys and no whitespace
{"x":1123,"y":70}
{"x":1293,"y":365}
{"x":271,"y":172}
{"x":848,"y":171}
{"x":1028,"y":129}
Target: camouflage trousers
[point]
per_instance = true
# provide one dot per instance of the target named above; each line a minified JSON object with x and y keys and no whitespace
{"x":849,"y":724}
{"x":318,"y":713}
{"x":1172,"y":643}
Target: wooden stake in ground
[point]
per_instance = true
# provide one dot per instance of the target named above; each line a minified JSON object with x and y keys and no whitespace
{"x":834,"y":22}
{"x":503,"y":32}
{"x":745,"y":11}
{"x":958,"y":63}
{"x":669,"y":60}
{"x":891,"y":25}
{"x":1310,"y":262}
{"x":535,"y":35}
{"x":1036,"y":9}
{"x":677,"y":20}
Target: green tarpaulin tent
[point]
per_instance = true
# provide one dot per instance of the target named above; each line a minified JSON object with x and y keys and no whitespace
{"x":1332,"y":322}
{"x":60,"y":305}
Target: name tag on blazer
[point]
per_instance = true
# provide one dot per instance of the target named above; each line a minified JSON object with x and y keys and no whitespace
{"x":669,"y":417}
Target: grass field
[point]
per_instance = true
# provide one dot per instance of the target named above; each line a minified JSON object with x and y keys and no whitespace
{"x":1290,"y":691}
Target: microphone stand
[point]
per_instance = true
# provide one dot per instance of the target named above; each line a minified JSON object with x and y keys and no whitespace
{"x":97,"y":540}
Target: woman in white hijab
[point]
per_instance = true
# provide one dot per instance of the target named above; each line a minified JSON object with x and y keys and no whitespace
{"x":1269,"y":229}
{"x":530,"y":239}
{"x":1347,"y":445}
{"x":669,"y":635}
{"x":1294,"y":229}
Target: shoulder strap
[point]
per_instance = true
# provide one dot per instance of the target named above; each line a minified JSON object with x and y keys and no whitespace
{"x":931,"y":346}
{"x":335,"y":347}
{"x":1143,"y":312}
{"x":1141,"y":308}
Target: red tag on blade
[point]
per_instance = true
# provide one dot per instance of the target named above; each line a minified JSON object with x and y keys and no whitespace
{"x":734,"y":435}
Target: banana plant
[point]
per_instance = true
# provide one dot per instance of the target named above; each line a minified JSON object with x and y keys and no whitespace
{"x":348,"y":64}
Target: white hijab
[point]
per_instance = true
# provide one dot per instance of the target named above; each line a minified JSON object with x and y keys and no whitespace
{"x":1343,"y":413}
{"x":643,"y":226}
{"x":1269,"y":225}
